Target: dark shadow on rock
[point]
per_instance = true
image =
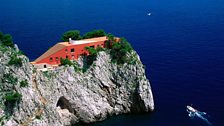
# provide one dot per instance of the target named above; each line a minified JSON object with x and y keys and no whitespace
{"x":63,"y":103}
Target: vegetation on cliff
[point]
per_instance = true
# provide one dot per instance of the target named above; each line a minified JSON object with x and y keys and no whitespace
{"x":15,"y":60}
{"x":67,"y":62}
{"x":6,"y":43}
{"x":9,"y":96}
{"x":113,"y":85}
{"x":94,"y":33}
{"x":6,"y":40}
{"x":75,"y":35}
{"x":117,"y":48}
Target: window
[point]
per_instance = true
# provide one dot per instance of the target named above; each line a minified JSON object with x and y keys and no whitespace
{"x":92,"y":46}
{"x":72,"y":50}
{"x":56,"y":58}
{"x":45,"y":66}
{"x":51,"y":59}
{"x":66,"y":57}
{"x":66,"y":50}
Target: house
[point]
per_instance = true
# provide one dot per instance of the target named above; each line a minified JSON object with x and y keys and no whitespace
{"x":71,"y":50}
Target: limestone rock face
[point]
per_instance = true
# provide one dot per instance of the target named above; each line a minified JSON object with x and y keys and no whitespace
{"x":65,"y":97}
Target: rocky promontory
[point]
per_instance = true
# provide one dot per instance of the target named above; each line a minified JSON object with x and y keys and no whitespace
{"x":67,"y":96}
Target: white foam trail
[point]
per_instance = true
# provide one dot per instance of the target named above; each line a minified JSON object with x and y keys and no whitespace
{"x":203,"y":118}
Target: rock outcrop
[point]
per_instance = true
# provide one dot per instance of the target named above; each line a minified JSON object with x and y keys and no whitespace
{"x":64,"y":96}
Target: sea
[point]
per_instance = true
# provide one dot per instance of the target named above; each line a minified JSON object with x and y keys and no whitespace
{"x":181,"y":43}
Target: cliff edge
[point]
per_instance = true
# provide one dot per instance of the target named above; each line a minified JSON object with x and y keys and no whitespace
{"x":67,"y":96}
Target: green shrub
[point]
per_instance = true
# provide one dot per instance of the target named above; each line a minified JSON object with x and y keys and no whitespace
{"x":46,"y":74}
{"x":91,"y":50}
{"x":95,"y":33}
{"x":23,"y":83}
{"x":34,"y":70}
{"x":8,"y":78}
{"x":92,"y":55}
{"x":110,"y":41}
{"x":119,"y":51}
{"x":38,"y":117}
{"x":3,"y":48}
{"x":76,"y":66}
{"x":65,"y":61}
{"x":99,"y":48}
{"x":125,"y":45}
{"x":15,"y":61}
{"x":1,"y":35}
{"x":6,"y":40}
{"x":70,"y":63}
{"x":20,"y":52}
{"x":13,"y":97}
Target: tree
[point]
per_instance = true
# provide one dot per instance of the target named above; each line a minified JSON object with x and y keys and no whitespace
{"x":91,"y":50}
{"x":119,"y":51}
{"x":90,"y":58}
{"x":1,"y":35}
{"x":65,"y":61}
{"x":110,"y":37}
{"x":73,"y":34}
{"x":125,"y":45}
{"x":94,"y":33}
{"x":110,"y":41}
{"x":6,"y":40}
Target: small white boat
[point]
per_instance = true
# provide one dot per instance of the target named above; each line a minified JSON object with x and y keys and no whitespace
{"x":191,"y":109}
{"x":149,"y":14}
{"x":192,"y":112}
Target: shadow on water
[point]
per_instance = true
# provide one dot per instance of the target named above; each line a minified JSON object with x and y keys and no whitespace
{"x":124,"y":119}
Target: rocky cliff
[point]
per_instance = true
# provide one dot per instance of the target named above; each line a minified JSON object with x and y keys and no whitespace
{"x":65,"y":96}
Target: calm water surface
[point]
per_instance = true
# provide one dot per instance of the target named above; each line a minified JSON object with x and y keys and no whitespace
{"x":181,"y":43}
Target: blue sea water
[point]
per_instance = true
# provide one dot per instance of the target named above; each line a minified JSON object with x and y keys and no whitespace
{"x":181,"y":43}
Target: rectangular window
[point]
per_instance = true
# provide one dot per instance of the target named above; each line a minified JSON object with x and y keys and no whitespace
{"x":92,"y":46}
{"x":72,"y":50}
{"x":66,"y":50}
{"x":56,"y":58}
{"x":66,"y":57}
{"x":51,"y":59}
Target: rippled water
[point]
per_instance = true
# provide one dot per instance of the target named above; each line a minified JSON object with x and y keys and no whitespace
{"x":181,"y":43}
